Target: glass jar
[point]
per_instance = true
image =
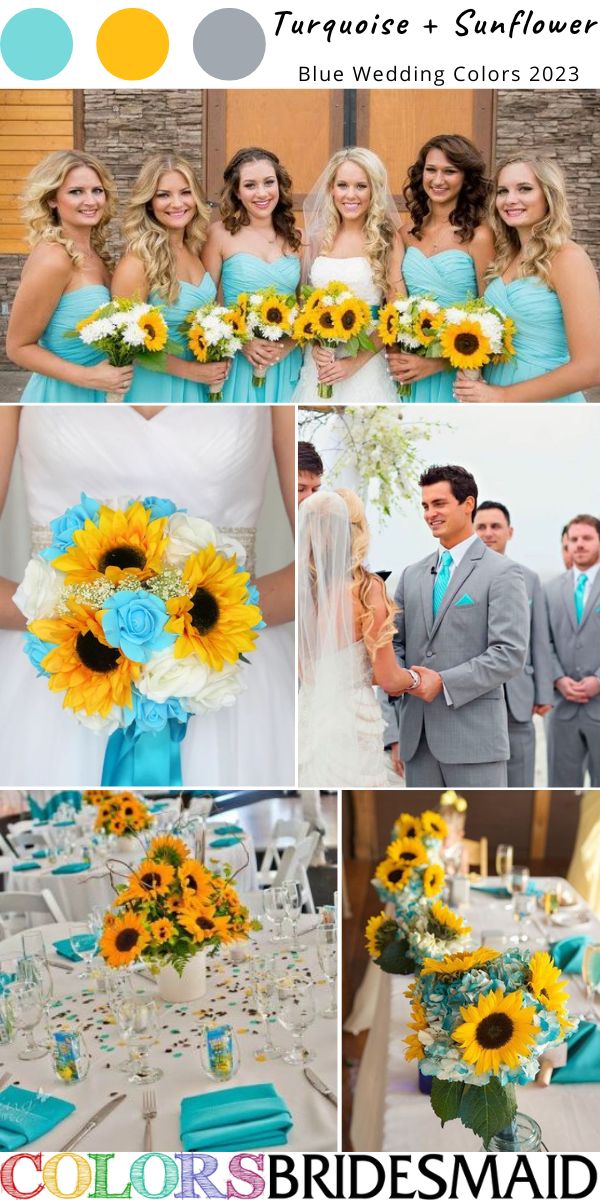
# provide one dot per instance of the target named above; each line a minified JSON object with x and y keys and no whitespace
{"x":523,"y":1136}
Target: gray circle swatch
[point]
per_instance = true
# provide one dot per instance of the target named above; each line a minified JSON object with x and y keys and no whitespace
{"x":229,"y":43}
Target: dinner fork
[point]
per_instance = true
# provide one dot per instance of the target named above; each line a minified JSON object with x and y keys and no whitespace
{"x":148,"y":1113}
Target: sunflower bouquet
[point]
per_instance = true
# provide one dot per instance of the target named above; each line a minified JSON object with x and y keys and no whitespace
{"x":171,"y":907}
{"x":140,"y":617}
{"x":214,"y":333}
{"x":269,"y":315}
{"x":122,"y":814}
{"x":336,"y":318}
{"x":480,"y":1023}
{"x":400,"y":944}
{"x":474,"y":334}
{"x":127,"y":331}
{"x":411,"y":322}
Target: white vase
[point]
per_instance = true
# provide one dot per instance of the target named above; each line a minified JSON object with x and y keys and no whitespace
{"x":125,"y":847}
{"x":190,"y":985}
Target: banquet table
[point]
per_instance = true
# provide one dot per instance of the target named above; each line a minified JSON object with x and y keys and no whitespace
{"x":228,"y":1000}
{"x":391,"y":1114}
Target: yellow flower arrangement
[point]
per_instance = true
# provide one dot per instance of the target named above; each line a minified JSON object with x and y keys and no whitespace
{"x":122,"y":813}
{"x":93,"y":675}
{"x":333,"y":316}
{"x":213,"y":621}
{"x":122,"y":542}
{"x":465,"y":345}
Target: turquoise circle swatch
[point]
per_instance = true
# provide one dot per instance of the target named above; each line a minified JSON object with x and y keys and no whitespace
{"x":36,"y":43}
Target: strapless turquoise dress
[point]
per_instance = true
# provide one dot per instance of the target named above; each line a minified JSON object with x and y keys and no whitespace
{"x":245,"y":273}
{"x":540,"y":340}
{"x":158,"y":387}
{"x":450,"y":278}
{"x":71,"y":308}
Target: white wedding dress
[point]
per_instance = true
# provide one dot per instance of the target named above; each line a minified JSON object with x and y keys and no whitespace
{"x":371,"y":384}
{"x":213,"y":461}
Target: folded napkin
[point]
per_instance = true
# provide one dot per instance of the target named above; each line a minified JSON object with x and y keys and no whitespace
{"x":26,"y":866}
{"x":26,"y":1116}
{"x":40,"y":853}
{"x":568,"y":953}
{"x":71,"y":868}
{"x":218,"y":843}
{"x":226,"y":829}
{"x":502,"y":893}
{"x":63,"y":824}
{"x":240,"y":1118}
{"x":65,"y":949}
{"x":583,"y":1056}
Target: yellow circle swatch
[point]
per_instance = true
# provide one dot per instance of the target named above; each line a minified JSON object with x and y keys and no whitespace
{"x":132,"y":43}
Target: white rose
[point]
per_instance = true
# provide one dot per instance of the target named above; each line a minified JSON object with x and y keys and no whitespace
{"x":187,"y":535}
{"x":221,"y":690}
{"x":166,"y":677}
{"x":37,"y":596}
{"x":98,"y":724}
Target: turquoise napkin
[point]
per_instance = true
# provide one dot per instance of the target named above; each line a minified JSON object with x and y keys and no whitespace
{"x":218,"y":843}
{"x":26,"y":866}
{"x":71,"y":868}
{"x":26,"y":1116}
{"x":65,"y":949}
{"x":240,"y":1118}
{"x":40,"y":853}
{"x":568,"y":953}
{"x":502,"y":893}
{"x":583,"y":1056}
{"x":63,"y":824}
{"x":226,"y":829}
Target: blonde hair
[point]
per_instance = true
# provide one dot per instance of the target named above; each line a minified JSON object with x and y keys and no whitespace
{"x":379,"y":230}
{"x":363,"y":580}
{"x":548,"y":236}
{"x":147,"y":239}
{"x":43,"y":219}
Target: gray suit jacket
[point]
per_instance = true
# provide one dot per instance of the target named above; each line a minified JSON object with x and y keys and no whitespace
{"x":535,"y":683}
{"x":576,"y":648}
{"x":477,"y":642}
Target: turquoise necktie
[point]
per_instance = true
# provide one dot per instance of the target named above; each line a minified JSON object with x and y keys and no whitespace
{"x":442,"y":580}
{"x":579,"y":594}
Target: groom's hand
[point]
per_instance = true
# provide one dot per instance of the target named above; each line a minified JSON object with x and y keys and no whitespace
{"x":430,"y":686}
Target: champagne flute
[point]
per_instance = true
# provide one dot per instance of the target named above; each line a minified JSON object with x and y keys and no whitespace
{"x":327,"y":955}
{"x":84,"y":939}
{"x":296,"y":1013}
{"x":590,"y":971}
{"x":292,"y":903}
{"x":273,"y":899}
{"x":265,"y":994}
{"x":504,"y":864}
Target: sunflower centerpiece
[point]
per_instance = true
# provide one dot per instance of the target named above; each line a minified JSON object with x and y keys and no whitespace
{"x":474,"y":334}
{"x":128,"y":331}
{"x":215,"y":333}
{"x":400,"y":944}
{"x":336,"y":318}
{"x":122,"y":815}
{"x":170,"y":909}
{"x":480,"y":1022}
{"x":411,"y":872}
{"x":269,"y":315}
{"x":411,"y":323}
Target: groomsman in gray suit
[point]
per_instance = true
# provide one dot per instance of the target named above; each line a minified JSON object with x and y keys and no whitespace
{"x":462,"y":628}
{"x":532,"y":690}
{"x":574,"y":614}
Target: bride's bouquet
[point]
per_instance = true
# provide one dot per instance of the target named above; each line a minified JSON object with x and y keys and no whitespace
{"x":127,"y":331}
{"x":333,"y":317}
{"x":214,"y":333}
{"x":411,"y":323}
{"x":269,"y":315}
{"x":473,"y":334}
{"x":140,"y":617}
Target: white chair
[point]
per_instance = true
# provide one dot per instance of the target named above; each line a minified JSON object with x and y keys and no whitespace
{"x":23,"y":905}
{"x":283,"y":835}
{"x":24,"y":841}
{"x":7,"y":856}
{"x":294,"y":867}
{"x":200,"y":806}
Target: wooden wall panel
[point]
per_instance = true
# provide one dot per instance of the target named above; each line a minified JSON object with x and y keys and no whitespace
{"x":32,"y":122}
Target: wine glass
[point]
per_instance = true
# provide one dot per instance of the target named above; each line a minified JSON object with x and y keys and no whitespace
{"x":137,"y":1016}
{"x":27,"y":1008}
{"x":296,"y":1013}
{"x":292,"y":903}
{"x":327,"y":956}
{"x":264,"y":982}
{"x":504,"y":864}
{"x":84,"y":939}
{"x":33,"y":944}
{"x":273,"y":900}
{"x":590,"y":972}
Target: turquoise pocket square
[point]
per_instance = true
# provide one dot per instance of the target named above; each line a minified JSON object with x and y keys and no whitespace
{"x":464,"y":600}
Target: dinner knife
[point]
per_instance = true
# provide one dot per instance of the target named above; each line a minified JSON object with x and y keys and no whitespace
{"x":93,"y":1122}
{"x":320,"y":1086}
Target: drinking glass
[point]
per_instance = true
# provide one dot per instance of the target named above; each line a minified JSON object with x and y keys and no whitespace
{"x":519,"y":880}
{"x":264,"y":982}
{"x":27,"y":1007}
{"x":35,"y":969}
{"x":327,"y":955}
{"x":296,"y":1013}
{"x":590,"y":972}
{"x":292,"y":903}
{"x":504,"y":863}
{"x":33,"y":943}
{"x":273,"y":899}
{"x":84,"y":939}
{"x":137,"y":1016}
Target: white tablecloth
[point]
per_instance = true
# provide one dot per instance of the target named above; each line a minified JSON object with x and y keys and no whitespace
{"x":228,"y":1000}
{"x":390,"y":1113}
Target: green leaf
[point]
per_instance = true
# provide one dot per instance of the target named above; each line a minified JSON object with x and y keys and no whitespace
{"x":395,"y":960}
{"x":488,"y":1109}
{"x":365,"y":342}
{"x":446,"y":1099}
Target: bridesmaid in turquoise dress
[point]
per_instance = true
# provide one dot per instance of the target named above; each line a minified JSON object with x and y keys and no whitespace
{"x":69,"y":200}
{"x":255,"y":245}
{"x":547,"y":285}
{"x":447,"y":248}
{"x":165,"y":229}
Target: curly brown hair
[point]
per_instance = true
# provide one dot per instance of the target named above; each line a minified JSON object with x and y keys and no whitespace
{"x":233,"y":213}
{"x":470,"y":208}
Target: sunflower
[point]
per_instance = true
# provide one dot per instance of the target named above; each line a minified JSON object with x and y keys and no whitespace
{"x":274,"y":312}
{"x":455,"y":964}
{"x":169,"y":849}
{"x":148,"y":881}
{"x":508,"y":348}
{"x":214,"y":622}
{"x":433,"y":824}
{"x":326,"y":323}
{"x":351,"y":316}
{"x":380,"y":931}
{"x":433,"y":880}
{"x":407,"y":827}
{"x":407,"y":851}
{"x":92,"y":317}
{"x":203,"y":923}
{"x":225,"y":896}
{"x":197,"y":343}
{"x":162,"y":930}
{"x":195,"y":880}
{"x":127,"y":542}
{"x":155,"y":329}
{"x":117,"y":825}
{"x":443,"y":923}
{"x":304,"y":328}
{"x":497,"y":1032}
{"x":237,"y":319}
{"x":94,"y":796}
{"x":419,"y":1016}
{"x":426,"y":326}
{"x":123,"y":940}
{"x":314,"y":300}
{"x":93,"y":675}
{"x":465,"y":345}
{"x":388,"y":325}
{"x":546,"y":985}
{"x":392,"y":875}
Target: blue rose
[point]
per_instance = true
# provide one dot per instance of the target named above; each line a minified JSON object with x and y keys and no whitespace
{"x":151,"y":717}
{"x":64,"y":527}
{"x":135,"y":622}
{"x":36,"y":650}
{"x":254,"y":598}
{"x":161,"y":508}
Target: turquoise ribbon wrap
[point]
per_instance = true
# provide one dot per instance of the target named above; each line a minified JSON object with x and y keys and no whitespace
{"x":135,"y":758}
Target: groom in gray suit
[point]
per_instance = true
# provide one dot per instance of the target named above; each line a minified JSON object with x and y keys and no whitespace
{"x":574,"y":614}
{"x":462,"y":627}
{"x":532,"y":690}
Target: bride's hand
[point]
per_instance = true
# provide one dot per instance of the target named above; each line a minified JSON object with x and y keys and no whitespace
{"x":340,"y":368}
{"x":409,"y":368}
{"x":322,"y":356}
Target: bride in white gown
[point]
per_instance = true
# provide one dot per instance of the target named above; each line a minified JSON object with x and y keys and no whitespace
{"x":352,"y":236}
{"x":345,"y":631}
{"x":212,"y":461}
